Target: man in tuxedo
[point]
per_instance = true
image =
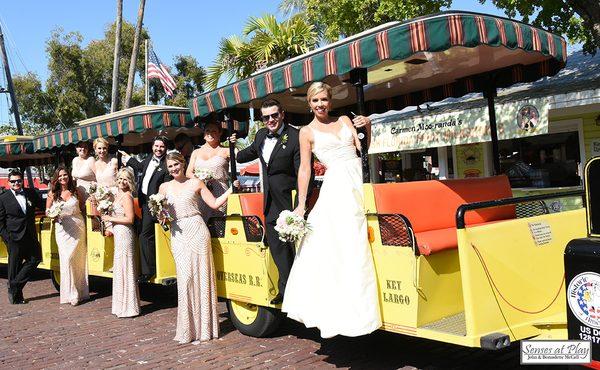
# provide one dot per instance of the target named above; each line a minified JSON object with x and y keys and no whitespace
{"x":278,"y":150}
{"x":17,"y":227}
{"x":150,"y":174}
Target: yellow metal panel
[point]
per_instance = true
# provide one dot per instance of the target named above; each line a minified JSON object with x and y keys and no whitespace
{"x":165,"y":264}
{"x":47,"y":241}
{"x":245,"y":271}
{"x":513,"y":273}
{"x":100,"y":250}
{"x":440,"y":286}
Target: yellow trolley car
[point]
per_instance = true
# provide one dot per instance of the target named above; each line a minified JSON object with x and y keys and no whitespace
{"x":457,"y":261}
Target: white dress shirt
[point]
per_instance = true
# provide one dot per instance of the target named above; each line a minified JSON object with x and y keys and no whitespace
{"x":154,"y":162}
{"x":269,"y":145}
{"x":21,"y":199}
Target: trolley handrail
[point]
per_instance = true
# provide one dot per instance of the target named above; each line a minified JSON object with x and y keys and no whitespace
{"x":463,"y":209}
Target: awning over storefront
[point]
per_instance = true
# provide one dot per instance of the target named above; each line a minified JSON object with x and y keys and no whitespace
{"x":429,"y":129}
{"x":421,"y":60}
{"x":146,"y":119}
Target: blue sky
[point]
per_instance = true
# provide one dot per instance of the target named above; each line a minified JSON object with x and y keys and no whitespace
{"x":176,"y":26}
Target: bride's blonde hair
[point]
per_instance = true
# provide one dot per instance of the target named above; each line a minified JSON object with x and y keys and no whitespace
{"x":317,"y":87}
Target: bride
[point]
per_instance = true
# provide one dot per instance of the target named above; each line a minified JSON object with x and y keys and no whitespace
{"x":332,"y":284}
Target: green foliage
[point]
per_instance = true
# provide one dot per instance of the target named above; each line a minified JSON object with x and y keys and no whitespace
{"x":342,"y":18}
{"x":264,"y":42}
{"x":79,"y":83}
{"x":578,"y":20}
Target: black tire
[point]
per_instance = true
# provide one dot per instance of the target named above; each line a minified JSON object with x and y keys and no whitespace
{"x":55,"y":277}
{"x":265,"y":321}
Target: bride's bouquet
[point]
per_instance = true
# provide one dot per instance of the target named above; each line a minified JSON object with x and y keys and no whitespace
{"x":204,"y":174}
{"x":157,"y":204}
{"x":105,"y":206}
{"x":55,"y":210}
{"x":291,"y":227}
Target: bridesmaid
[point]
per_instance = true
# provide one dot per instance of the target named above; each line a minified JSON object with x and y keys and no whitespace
{"x":214,"y":157}
{"x":197,"y":317}
{"x":125,"y":294}
{"x":105,"y":167}
{"x":70,"y":238}
{"x":82,"y":168}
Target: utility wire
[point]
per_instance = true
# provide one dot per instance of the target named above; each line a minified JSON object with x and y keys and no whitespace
{"x":10,"y":43}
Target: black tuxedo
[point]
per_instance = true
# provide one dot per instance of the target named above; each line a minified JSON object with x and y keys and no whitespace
{"x":147,"y":239}
{"x":19,"y":234}
{"x":280,"y":177}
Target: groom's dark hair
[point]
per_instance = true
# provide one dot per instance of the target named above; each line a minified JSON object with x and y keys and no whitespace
{"x":271,"y":103}
{"x":15,"y":172}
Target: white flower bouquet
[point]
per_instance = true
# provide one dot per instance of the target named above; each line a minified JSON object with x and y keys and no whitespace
{"x":104,"y":193}
{"x":93,"y":189}
{"x":105,"y":206}
{"x":55,"y":210}
{"x":157,"y":204}
{"x":204,"y":174}
{"x":291,"y":227}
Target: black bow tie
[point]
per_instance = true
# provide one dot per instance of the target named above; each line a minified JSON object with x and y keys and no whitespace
{"x":272,"y":135}
{"x":21,"y":192}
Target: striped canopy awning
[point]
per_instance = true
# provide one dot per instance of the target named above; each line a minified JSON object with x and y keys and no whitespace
{"x":140,"y":120}
{"x":425,"y":59}
{"x":18,"y":151}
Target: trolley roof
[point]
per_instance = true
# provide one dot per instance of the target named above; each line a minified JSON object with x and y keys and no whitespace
{"x":138,"y":125}
{"x":424,"y":59}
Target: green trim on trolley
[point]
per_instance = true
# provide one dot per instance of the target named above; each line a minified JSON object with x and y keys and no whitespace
{"x":400,"y":41}
{"x":135,"y":123}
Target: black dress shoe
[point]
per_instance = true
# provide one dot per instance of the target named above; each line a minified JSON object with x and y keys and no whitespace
{"x":144,"y":278}
{"x":19,"y":298}
{"x":278,"y":299}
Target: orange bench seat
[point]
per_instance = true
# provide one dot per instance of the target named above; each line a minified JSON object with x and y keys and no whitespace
{"x":431,"y":206}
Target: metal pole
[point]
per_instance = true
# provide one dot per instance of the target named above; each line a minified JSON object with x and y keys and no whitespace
{"x":232,"y":163}
{"x":114,"y":104}
{"x":490,"y":94}
{"x":146,"y":88}
{"x":359,"y":79}
{"x":13,"y":99}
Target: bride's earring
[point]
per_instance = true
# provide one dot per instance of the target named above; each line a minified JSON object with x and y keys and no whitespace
{"x":310,"y":109}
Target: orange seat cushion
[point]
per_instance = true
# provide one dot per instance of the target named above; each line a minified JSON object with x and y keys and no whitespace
{"x":436,"y":240}
{"x":431,"y":206}
{"x":136,"y":208}
{"x":252,"y":205}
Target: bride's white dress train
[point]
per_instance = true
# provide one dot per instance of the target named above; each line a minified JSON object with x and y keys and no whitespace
{"x":332,"y":284}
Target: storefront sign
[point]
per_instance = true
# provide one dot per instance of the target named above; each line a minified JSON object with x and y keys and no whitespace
{"x":392,"y":133}
{"x":595,"y":148}
{"x":469,"y":160}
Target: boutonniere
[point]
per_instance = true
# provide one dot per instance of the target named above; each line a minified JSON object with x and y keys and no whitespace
{"x":284,"y":140}
{"x":158,"y":169}
{"x":29,"y":203}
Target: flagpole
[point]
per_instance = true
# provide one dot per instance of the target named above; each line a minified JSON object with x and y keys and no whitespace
{"x":146,"y":88}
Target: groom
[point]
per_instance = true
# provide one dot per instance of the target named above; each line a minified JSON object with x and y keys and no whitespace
{"x":278,"y":149}
{"x":17,"y":227}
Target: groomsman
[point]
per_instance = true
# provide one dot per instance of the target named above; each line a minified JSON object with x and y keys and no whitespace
{"x":150,"y":174}
{"x":17,"y":227}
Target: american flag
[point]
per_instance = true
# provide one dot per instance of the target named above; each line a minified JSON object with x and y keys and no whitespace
{"x":158,"y":70}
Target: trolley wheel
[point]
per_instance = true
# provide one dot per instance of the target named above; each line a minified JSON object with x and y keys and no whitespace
{"x":252,"y":320}
{"x":55,"y":277}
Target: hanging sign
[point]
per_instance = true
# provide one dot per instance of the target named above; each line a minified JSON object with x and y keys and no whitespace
{"x":398,"y":132}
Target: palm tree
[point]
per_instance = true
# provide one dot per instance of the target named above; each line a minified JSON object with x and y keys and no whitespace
{"x":290,"y":7}
{"x":264,"y":42}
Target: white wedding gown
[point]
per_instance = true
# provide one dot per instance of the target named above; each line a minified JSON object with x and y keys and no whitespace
{"x":332,"y":284}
